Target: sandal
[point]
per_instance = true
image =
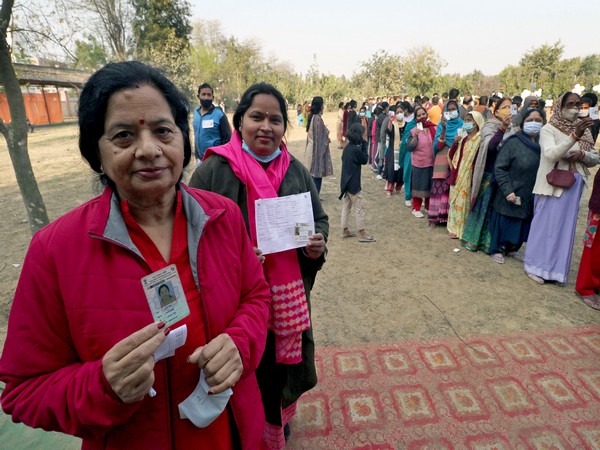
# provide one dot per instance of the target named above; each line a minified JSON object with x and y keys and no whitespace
{"x":498,"y":258}
{"x":452,"y":236}
{"x":349,"y":235}
{"x":367,"y":239}
{"x":538,"y":280}
{"x":593,"y":301}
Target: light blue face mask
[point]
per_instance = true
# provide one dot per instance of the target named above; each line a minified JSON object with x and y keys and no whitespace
{"x":261,"y":159}
{"x":532,"y":128}
{"x":468,"y":126}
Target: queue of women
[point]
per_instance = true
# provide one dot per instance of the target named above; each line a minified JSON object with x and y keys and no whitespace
{"x":79,"y":356}
{"x":79,"y":352}
{"x":498,"y":183}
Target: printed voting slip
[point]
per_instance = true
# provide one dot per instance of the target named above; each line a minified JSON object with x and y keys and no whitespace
{"x":175,"y":339}
{"x":202,"y":409}
{"x":284,"y":223}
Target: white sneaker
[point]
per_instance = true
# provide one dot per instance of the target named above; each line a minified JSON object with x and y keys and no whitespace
{"x":408,"y":203}
{"x":379,"y":177}
{"x":418,"y":214}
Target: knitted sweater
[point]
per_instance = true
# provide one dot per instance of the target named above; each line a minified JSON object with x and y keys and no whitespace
{"x":556,"y":144}
{"x":515,"y":170}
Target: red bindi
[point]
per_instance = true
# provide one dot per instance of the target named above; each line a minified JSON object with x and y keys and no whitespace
{"x":142,"y":121}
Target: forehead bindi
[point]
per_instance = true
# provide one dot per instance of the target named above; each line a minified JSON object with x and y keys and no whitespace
{"x":266,"y":104}
{"x":142,"y":121}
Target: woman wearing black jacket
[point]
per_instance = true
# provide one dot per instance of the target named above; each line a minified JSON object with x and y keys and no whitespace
{"x":515,"y":170}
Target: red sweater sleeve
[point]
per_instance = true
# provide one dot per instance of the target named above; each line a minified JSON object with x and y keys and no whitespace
{"x":47,"y":385}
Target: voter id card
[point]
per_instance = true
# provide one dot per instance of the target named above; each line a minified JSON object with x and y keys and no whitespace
{"x":303,"y":230}
{"x":165,"y":295}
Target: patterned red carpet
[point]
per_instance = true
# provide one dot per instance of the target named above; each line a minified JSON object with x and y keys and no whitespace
{"x":520,"y":391}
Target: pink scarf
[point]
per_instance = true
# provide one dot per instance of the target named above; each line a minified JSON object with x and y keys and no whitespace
{"x":289,"y":308}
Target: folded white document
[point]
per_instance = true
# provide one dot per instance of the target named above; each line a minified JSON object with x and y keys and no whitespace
{"x":202,"y":409}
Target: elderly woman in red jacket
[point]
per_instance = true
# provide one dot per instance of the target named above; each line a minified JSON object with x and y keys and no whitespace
{"x":79,"y":351}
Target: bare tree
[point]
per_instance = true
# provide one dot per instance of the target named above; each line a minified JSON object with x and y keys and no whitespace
{"x":15,"y":133}
{"x":112,"y":20}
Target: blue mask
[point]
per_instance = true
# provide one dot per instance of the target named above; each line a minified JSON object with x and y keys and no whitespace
{"x":261,"y":159}
{"x":532,"y":128}
{"x":468,"y":126}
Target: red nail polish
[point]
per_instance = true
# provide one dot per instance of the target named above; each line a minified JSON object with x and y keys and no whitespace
{"x":167,"y":331}
{"x":210,"y":392}
{"x":161,"y":325}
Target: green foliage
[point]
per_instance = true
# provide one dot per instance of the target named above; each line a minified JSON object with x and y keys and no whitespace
{"x":157,"y":23}
{"x":588,"y":73}
{"x":159,"y":32}
{"x":513,"y":81}
{"x":161,"y":35}
{"x":542,"y":68}
{"x":381,"y":74}
{"x":90,"y":54}
{"x":422,"y":66}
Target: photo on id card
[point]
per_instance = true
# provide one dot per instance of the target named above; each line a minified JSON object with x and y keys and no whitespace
{"x":165,"y":295}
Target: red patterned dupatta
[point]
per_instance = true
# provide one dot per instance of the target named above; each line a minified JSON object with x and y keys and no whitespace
{"x":289,"y":308}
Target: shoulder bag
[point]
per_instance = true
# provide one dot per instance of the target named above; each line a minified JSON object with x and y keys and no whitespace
{"x":560,"y":177}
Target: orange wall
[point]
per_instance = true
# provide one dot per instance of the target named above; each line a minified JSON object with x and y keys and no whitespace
{"x":35,"y":108}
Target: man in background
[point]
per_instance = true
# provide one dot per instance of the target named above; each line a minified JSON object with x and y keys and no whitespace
{"x":518,"y":101}
{"x":435,"y":112}
{"x":211,"y":127}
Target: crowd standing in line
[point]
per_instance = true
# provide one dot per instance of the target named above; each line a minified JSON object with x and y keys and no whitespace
{"x":482,"y":168}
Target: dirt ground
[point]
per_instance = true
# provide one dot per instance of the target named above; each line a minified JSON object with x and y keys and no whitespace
{"x":410,"y":284}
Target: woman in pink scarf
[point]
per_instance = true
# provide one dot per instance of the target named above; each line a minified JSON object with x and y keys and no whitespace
{"x":256,"y":164}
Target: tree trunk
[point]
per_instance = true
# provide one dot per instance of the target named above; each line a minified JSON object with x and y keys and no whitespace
{"x":15,"y":133}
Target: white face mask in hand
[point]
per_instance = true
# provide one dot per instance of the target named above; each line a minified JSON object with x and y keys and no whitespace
{"x":202,"y":409}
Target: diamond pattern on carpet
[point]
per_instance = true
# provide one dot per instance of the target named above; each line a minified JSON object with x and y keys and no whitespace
{"x":518,"y":391}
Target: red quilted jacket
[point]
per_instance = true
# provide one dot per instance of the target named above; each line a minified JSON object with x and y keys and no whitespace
{"x":80,"y":293}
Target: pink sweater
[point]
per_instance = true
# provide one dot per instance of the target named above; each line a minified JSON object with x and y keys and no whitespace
{"x":422,"y":155}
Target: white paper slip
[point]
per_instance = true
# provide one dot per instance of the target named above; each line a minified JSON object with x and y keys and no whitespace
{"x":202,"y":409}
{"x":594,"y":113}
{"x":175,"y":339}
{"x":165,"y":295}
{"x":284,"y":223}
